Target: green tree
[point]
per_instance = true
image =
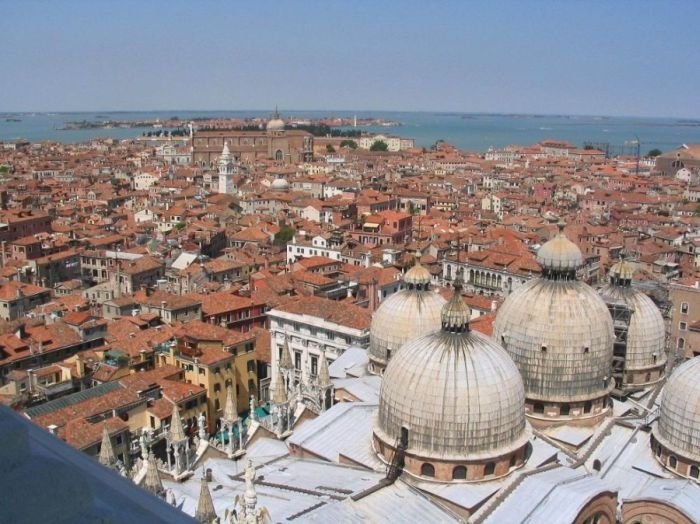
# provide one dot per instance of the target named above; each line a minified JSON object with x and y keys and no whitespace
{"x":348,"y":143}
{"x":654,"y":152}
{"x":330,"y":148}
{"x":284,"y":235}
{"x":379,"y":145}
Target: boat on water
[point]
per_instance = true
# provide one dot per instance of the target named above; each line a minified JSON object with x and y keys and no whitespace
{"x":13,"y":120}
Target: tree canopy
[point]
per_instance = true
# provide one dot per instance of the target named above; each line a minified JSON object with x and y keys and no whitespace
{"x":348,"y":143}
{"x":654,"y":152}
{"x":379,"y":145}
{"x":284,"y":235}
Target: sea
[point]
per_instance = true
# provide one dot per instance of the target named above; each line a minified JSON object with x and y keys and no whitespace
{"x":467,"y":131}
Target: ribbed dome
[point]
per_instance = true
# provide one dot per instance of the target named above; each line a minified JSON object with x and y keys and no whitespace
{"x":678,"y":427}
{"x":560,"y":335}
{"x":404,"y":316}
{"x":646,"y":332}
{"x":560,"y":254}
{"x":458,"y":394}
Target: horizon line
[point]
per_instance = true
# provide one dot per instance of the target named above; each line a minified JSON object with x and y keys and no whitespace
{"x":413,"y":111}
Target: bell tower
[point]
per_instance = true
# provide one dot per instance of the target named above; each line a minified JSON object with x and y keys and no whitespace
{"x":226,"y":171}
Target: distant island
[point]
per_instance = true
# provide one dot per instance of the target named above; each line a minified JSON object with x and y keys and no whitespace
{"x":102,"y":122}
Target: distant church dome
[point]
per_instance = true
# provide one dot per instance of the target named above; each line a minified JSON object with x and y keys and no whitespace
{"x":275,"y":123}
{"x":279,"y":185}
{"x":453,"y":402}
{"x":560,"y":335}
{"x":677,"y":432}
{"x":640,"y":326}
{"x":403,"y":316}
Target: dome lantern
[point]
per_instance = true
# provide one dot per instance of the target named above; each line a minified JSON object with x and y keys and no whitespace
{"x":559,"y":257}
{"x":455,"y":315}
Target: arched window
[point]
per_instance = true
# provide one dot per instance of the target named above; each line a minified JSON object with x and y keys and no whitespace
{"x":459,"y":473}
{"x":513,"y":460}
{"x":279,"y":155}
{"x":565,"y":410}
{"x":694,"y":472}
{"x":587,"y":406}
{"x":672,"y":462}
{"x":404,"y":436}
{"x":538,"y":408}
{"x":427,"y":470}
{"x":489,"y":468}
{"x":596,"y":465}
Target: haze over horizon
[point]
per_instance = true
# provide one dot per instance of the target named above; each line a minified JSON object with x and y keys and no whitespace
{"x":504,"y":57}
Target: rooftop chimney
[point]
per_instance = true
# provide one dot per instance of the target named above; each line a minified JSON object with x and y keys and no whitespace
{"x":53,"y":429}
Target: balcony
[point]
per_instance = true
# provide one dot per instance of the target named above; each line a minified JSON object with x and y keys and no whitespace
{"x":53,"y":390}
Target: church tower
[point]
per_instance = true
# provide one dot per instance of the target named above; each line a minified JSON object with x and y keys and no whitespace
{"x":226,"y":172}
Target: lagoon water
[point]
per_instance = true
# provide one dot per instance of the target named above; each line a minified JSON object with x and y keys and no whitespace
{"x":472,"y":132}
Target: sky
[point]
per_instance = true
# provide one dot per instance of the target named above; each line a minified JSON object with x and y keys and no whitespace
{"x":612,"y":57}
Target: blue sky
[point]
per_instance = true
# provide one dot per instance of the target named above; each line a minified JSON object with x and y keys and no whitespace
{"x":595,"y":57}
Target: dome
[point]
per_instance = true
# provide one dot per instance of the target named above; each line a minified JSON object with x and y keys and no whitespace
{"x":560,"y":335}
{"x":646,"y":330}
{"x":457,"y":394}
{"x":560,"y":254}
{"x":279,"y":184}
{"x":404,"y":316}
{"x":275,"y":123}
{"x":678,"y":426}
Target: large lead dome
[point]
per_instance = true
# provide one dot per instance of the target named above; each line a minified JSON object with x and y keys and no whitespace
{"x":404,"y":316}
{"x":677,"y":431}
{"x":456,"y":400}
{"x":640,"y":330}
{"x":560,"y":335}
